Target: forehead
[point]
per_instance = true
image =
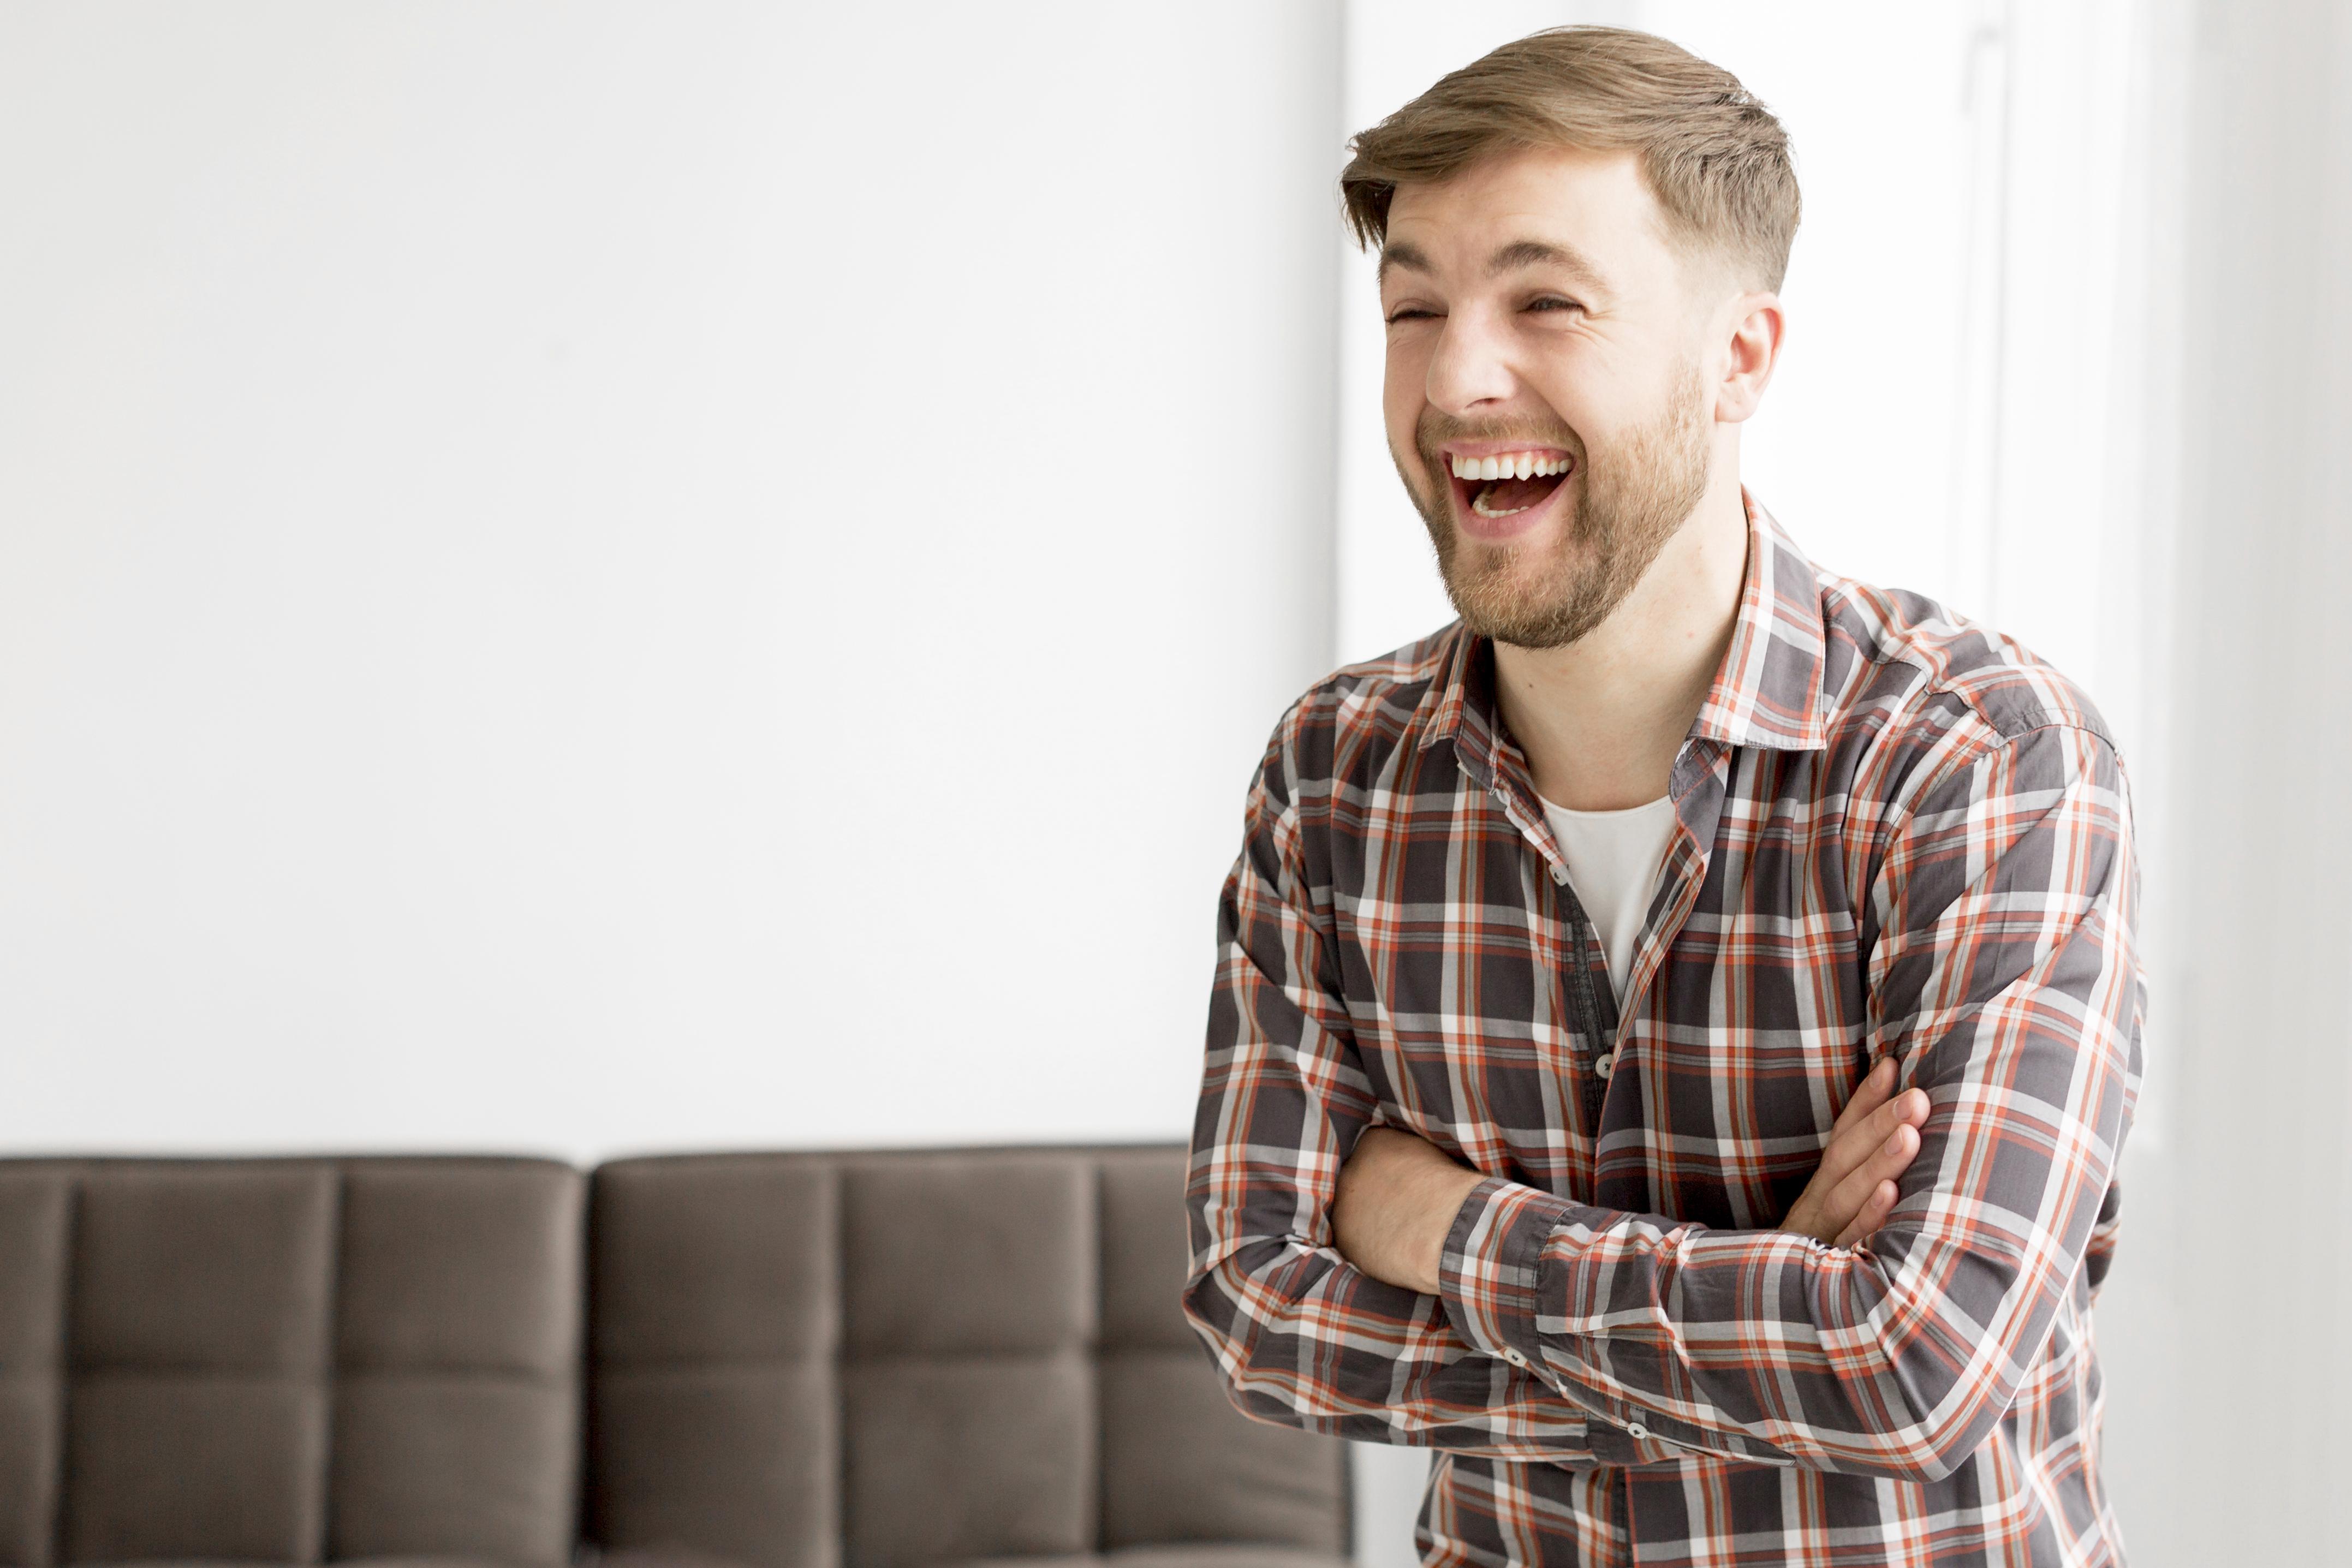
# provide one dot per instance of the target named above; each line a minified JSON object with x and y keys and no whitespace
{"x":1595,"y":204}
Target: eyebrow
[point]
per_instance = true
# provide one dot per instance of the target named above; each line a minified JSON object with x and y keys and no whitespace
{"x":1515,"y":256}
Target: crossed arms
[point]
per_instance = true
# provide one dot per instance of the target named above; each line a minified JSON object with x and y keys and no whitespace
{"x":2003,"y":986}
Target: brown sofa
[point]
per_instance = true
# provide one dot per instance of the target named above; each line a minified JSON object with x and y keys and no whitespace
{"x":871,"y":1360}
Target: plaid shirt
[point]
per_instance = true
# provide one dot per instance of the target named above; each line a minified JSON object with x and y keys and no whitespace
{"x":1899,"y":834}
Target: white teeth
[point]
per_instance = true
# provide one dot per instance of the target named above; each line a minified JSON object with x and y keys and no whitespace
{"x":1510,"y":465}
{"x":1478,"y":504}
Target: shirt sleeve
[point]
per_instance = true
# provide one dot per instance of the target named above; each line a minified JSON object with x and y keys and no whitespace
{"x":1302,"y":1337}
{"x":2005,"y":981}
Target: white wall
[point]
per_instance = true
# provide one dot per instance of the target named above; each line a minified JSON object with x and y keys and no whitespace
{"x":597,"y":577}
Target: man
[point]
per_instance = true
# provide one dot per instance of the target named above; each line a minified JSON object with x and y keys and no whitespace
{"x":1675,"y":1027}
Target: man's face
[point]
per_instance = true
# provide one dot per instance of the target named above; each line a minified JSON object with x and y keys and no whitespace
{"x":1537,"y":315}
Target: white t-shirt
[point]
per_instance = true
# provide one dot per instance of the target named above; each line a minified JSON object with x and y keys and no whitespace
{"x":1613,"y":862}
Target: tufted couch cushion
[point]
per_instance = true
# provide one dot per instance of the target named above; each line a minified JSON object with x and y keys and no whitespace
{"x":288,"y":1360}
{"x":881,"y":1361}
{"x":822,"y":1361}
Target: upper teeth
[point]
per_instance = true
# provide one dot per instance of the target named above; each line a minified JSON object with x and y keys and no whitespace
{"x":1510,"y":465}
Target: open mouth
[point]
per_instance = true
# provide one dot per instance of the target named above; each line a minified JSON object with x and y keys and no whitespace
{"x":1505,"y":484}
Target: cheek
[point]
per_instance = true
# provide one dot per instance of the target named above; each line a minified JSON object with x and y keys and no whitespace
{"x":1403,"y":393}
{"x":1578,"y":386}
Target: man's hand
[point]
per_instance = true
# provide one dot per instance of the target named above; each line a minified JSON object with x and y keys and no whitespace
{"x":1397,"y":1199}
{"x":1871,"y":1144}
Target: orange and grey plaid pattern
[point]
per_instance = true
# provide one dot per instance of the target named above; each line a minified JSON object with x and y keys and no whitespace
{"x":1900,"y":835}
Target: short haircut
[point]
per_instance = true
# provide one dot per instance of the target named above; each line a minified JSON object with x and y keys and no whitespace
{"x":1714,"y":156}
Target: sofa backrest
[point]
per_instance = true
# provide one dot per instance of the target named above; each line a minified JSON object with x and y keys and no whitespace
{"x":887,"y":1360}
{"x":288,"y":1360}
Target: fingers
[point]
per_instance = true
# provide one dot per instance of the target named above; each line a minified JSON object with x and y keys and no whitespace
{"x":1859,"y":1203}
{"x":1853,"y":1143}
{"x":1874,"y":1210}
{"x":1874,"y":1142}
{"x":1868,"y":1095}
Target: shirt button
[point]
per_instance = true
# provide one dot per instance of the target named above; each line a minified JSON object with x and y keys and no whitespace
{"x":1637,"y":1431}
{"x":1560,"y":873}
{"x":1515,"y":1358}
{"x":1605,"y":1066}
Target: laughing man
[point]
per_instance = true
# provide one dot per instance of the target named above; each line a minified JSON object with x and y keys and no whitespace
{"x":1674,"y":1027}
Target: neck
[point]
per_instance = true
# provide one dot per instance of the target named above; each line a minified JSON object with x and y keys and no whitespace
{"x":1602,"y":721}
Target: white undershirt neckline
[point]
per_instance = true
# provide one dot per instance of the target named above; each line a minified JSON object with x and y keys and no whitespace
{"x":1613,"y":859}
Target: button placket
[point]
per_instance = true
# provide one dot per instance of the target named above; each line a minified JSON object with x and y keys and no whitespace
{"x":1580,"y":979}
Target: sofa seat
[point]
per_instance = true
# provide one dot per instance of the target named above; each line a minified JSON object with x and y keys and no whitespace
{"x":1196,"y":1555}
{"x":912,"y":1359}
{"x":304,"y":1360}
{"x":875,"y":1359}
{"x":339,"y":1563}
{"x":1205,"y":1554}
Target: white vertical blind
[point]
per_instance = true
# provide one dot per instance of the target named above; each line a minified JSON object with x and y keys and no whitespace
{"x":2235,"y":1414}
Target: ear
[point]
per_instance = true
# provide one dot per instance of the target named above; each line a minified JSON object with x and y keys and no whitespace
{"x":1753,"y":325}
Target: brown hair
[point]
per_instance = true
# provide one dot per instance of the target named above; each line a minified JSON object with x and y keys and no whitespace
{"x":1715,"y":157}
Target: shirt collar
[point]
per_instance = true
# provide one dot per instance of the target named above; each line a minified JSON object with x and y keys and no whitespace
{"x":1766,"y":693}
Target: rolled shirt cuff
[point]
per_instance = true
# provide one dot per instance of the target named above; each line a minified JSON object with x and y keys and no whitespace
{"x":1488,"y":1281}
{"x":1486,"y":1278}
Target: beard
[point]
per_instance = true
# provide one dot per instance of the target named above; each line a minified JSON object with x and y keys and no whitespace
{"x":1630,"y":498}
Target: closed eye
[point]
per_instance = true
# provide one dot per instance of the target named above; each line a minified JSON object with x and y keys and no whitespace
{"x":1553,"y":302}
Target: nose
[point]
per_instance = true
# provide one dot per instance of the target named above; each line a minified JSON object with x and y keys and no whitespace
{"x":1471,"y":368}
